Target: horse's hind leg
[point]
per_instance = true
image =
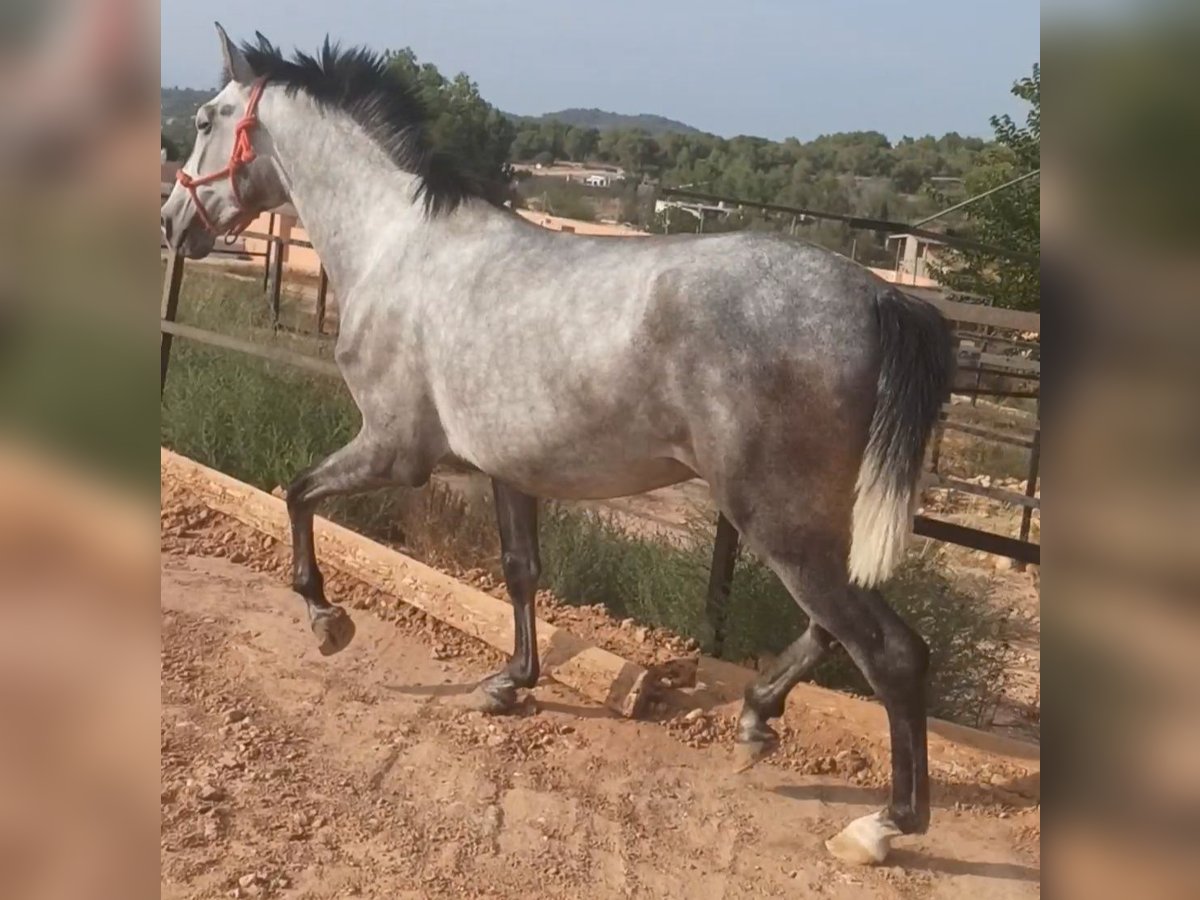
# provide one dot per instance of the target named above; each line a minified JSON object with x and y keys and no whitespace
{"x":517,"y":516}
{"x":357,"y":467}
{"x":896,"y":667}
{"x":765,"y":698}
{"x":810,"y":560}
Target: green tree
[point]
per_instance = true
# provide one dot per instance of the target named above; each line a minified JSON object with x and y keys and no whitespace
{"x":1010,"y":218}
{"x":172,"y":150}
{"x":461,"y":123}
{"x":580,"y":144}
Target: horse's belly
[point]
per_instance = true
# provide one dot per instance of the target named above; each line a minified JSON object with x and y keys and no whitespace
{"x":595,"y":482}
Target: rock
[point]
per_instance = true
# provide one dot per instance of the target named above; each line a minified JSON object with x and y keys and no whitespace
{"x":234,"y":715}
{"x":229,"y":760}
{"x":491,"y":821}
{"x":851,"y":762}
{"x":211,"y":792}
{"x":642,"y":634}
{"x":694,"y":715}
{"x":246,"y":880}
{"x":1003,"y":564}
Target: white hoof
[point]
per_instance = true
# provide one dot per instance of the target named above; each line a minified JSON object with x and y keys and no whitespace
{"x":864,"y":841}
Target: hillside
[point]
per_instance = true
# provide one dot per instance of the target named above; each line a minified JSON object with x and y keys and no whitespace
{"x":178,"y":114}
{"x":602,"y":120}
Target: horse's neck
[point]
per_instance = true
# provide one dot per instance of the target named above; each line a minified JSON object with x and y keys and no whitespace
{"x":353,"y":201}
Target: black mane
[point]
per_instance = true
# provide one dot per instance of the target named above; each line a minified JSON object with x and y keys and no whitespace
{"x":360,"y":83}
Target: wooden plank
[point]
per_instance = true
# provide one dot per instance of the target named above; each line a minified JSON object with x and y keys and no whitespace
{"x":592,"y":671}
{"x":976,"y":539}
{"x":929,"y":479}
{"x":977,"y":314}
{"x":988,"y":361}
{"x":274,"y":354}
{"x":172,"y":282}
{"x":989,"y":434}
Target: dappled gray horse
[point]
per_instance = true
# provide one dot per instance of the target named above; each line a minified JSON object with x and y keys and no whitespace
{"x":799,"y":386}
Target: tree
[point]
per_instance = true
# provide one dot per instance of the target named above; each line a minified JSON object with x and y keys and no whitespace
{"x":1009,"y":218}
{"x":172,"y":150}
{"x":461,"y":122}
{"x":580,"y":143}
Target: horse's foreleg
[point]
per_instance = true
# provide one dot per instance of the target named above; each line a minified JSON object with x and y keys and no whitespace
{"x":765,"y":698}
{"x":517,"y":515}
{"x":352,"y":469}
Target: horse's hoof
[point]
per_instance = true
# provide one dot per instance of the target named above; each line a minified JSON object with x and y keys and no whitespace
{"x":746,"y":754}
{"x":334,"y":630}
{"x":865,"y":841}
{"x":493,"y":700}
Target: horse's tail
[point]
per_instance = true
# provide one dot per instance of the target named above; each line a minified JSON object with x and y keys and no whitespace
{"x":915,"y":371}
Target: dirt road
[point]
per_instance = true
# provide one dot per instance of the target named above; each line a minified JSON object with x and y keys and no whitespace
{"x":287,"y":774}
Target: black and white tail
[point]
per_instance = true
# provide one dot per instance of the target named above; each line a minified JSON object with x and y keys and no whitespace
{"x":916,"y":368}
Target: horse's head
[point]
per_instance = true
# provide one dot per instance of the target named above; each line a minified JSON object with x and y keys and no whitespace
{"x":229,"y":178}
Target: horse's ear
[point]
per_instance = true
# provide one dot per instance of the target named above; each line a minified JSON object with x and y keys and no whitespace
{"x":236,"y":66}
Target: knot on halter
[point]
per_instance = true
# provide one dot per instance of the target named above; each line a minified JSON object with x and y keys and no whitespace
{"x":242,"y":155}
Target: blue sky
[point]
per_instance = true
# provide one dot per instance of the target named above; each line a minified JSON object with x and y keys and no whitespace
{"x":775,"y":68}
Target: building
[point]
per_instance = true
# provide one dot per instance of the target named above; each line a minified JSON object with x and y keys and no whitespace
{"x":913,"y":256}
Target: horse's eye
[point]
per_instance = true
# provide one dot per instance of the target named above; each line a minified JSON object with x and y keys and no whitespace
{"x":203,"y":126}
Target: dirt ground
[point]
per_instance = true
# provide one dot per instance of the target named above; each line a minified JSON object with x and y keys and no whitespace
{"x":288,"y":774}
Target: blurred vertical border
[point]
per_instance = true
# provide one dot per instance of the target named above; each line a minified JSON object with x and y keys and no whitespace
{"x":1121,"y":295}
{"x":78,"y":416}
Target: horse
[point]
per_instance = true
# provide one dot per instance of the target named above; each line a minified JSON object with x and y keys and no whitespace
{"x":801,"y":387}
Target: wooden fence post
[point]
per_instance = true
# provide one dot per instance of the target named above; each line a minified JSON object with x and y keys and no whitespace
{"x":276,"y":280}
{"x":267,"y":254}
{"x":720,"y":581}
{"x":170,"y":306}
{"x":322,"y":292}
{"x":1035,"y":459}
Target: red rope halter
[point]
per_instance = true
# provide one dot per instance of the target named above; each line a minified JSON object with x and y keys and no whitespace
{"x":242,"y":155}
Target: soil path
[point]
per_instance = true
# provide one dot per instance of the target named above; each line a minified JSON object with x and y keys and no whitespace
{"x":287,"y":774}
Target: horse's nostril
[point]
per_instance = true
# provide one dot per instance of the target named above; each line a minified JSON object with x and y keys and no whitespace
{"x":166,"y":227}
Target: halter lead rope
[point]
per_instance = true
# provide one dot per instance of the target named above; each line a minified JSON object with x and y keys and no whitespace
{"x":243,"y":154}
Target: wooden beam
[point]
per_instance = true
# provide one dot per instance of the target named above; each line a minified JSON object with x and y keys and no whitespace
{"x":592,"y":671}
{"x":930,"y":480}
{"x":172,"y":281}
{"x":274,"y":354}
{"x":978,"y":314}
{"x":987,"y":541}
{"x":990,"y":434}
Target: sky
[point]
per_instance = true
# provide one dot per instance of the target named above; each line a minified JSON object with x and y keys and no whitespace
{"x":771,"y":68}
